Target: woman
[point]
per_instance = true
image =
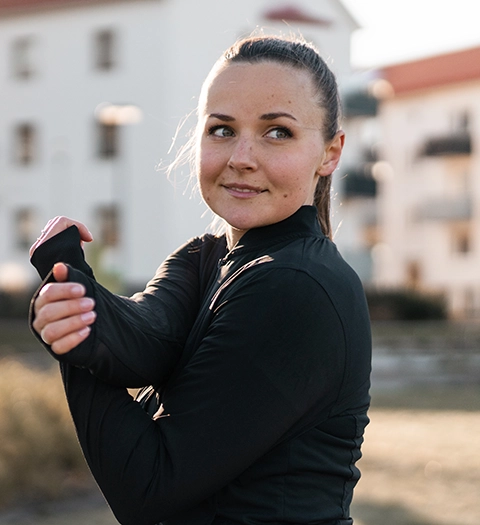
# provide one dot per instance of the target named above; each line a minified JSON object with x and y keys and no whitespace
{"x":257,"y":341}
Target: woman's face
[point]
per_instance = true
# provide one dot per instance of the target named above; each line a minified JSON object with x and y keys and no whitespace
{"x":261,"y":149}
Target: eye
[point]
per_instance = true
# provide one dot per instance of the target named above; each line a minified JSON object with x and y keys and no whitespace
{"x":221,"y":131}
{"x":280,"y":133}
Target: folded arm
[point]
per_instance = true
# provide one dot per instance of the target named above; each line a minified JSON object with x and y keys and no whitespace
{"x":263,"y":364}
{"x":130,"y":342}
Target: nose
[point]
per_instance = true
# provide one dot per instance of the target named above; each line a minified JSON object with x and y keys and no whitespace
{"x":243,"y":156}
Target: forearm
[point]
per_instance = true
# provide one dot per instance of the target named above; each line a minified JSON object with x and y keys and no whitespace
{"x":135,"y":341}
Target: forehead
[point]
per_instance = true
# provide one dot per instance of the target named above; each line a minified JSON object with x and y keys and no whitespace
{"x":264,"y":87}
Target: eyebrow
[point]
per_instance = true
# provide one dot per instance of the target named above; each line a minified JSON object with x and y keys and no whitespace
{"x":221,"y":116}
{"x":266,"y":116}
{"x":273,"y":116}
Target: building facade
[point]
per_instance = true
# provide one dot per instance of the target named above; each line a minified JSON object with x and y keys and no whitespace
{"x":429,"y":181}
{"x":355,"y":188}
{"x":92,"y":95}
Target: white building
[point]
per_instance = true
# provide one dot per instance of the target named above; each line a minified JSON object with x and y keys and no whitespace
{"x":429,"y":199}
{"x":61,"y":59}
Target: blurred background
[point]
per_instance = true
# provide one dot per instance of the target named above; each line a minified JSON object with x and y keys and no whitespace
{"x":97,"y":98}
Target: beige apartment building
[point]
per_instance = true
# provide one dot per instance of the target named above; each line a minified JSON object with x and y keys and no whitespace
{"x":428,"y":180}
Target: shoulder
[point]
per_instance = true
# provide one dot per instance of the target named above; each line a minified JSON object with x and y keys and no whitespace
{"x":311,"y":261}
{"x":203,"y":242}
{"x":314,"y":255}
{"x":308,"y":270}
{"x":198,"y":250}
{"x":319,"y":258}
{"x":267,"y":282}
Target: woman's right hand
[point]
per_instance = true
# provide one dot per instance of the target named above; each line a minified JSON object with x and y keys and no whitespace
{"x":57,"y":225}
{"x":63,"y":315}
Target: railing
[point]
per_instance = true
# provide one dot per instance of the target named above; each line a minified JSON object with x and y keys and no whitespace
{"x":454,"y":144}
{"x":445,"y":209}
{"x":358,"y":182}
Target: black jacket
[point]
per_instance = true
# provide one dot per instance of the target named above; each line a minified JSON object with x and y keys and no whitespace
{"x":262,"y":355}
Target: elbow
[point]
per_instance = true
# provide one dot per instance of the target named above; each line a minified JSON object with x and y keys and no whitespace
{"x":129,"y":513}
{"x":131,"y":507}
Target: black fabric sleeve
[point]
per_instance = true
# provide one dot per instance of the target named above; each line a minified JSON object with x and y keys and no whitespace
{"x":134,"y":341}
{"x":64,"y":247}
{"x":275,"y":349}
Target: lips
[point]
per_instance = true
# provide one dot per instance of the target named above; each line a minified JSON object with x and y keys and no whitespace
{"x":242,"y":190}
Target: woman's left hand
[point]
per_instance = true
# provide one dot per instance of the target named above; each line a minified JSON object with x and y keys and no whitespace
{"x":57,"y":225}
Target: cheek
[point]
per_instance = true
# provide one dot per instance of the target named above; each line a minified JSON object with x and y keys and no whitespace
{"x":296,"y":182}
{"x":302,"y":190}
{"x":203,"y":182}
{"x":209,"y":160}
{"x":205,"y":167}
{"x":209,"y":174}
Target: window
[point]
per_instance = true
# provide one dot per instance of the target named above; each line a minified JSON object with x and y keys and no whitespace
{"x":461,"y":238}
{"x":460,"y":122}
{"x":108,"y":221}
{"x":25,"y":138}
{"x":22,"y":58}
{"x":105,"y":46}
{"x":107,"y":140}
{"x":471,"y":302}
{"x":414,"y":274}
{"x":25,"y":228}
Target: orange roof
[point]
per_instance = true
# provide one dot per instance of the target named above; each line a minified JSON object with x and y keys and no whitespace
{"x":440,"y":70}
{"x":7,"y":6}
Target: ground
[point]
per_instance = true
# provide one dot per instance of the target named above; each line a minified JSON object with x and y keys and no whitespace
{"x":420,"y":462}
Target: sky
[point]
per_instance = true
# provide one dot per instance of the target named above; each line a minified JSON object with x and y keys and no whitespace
{"x":395,"y":31}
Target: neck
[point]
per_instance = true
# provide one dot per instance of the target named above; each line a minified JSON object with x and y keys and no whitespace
{"x":233,"y":236}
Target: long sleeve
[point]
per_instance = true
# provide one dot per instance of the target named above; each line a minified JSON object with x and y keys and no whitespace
{"x":274,"y":351}
{"x":64,"y":247}
{"x":134,"y":341}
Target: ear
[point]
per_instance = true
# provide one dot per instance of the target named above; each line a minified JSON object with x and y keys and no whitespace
{"x":333,"y":152}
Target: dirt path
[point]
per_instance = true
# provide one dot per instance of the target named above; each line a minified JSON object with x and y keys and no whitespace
{"x":420,"y":467}
{"x":88,"y":509}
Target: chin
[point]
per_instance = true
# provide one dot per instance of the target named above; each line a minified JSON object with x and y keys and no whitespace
{"x":246,"y":225}
{"x":240,"y":220}
{"x":241,"y":226}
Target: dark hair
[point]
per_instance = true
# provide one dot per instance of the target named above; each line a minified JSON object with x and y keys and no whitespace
{"x":299,"y":54}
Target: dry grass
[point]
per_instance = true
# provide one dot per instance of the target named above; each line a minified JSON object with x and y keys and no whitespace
{"x":421,"y":463}
{"x":39,"y":454}
{"x":420,"y":467}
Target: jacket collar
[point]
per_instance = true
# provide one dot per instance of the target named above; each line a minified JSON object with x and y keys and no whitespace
{"x":302,"y":223}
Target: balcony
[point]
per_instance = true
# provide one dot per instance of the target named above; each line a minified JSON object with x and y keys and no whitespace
{"x":453,"y":144}
{"x":359,"y":104}
{"x":358,"y":182}
{"x":445,"y":209}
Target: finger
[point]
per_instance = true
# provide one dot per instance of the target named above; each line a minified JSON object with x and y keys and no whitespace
{"x":53,"y":292}
{"x":56,"y":302}
{"x":70,"y":341}
{"x":56,"y":310}
{"x":60,"y":272}
{"x":52,"y":313}
{"x":57,"y":225}
{"x":70,"y":329}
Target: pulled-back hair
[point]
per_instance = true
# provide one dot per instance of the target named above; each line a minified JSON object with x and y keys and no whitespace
{"x":297,"y":53}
